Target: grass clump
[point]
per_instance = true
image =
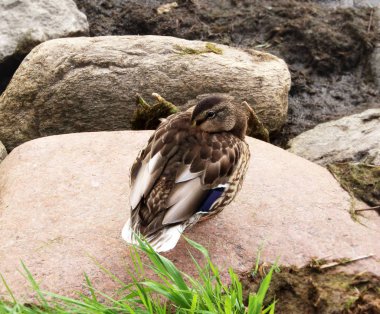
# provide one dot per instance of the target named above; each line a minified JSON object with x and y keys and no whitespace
{"x":173,"y":292}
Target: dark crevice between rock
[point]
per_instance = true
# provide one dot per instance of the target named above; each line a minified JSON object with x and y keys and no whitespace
{"x":7,"y":68}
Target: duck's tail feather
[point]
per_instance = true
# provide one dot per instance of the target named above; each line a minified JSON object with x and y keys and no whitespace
{"x":166,"y":239}
{"x":162,"y":241}
{"x":127,"y":233}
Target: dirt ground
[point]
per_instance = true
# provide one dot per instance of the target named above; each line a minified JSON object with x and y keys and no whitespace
{"x":326,"y":49}
{"x":310,"y":290}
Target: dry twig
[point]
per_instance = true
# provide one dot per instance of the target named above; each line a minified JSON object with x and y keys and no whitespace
{"x":370,"y":20}
{"x":368,"y":208}
{"x":345,"y":261}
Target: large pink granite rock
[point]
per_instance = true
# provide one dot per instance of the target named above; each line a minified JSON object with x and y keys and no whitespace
{"x":64,"y":200}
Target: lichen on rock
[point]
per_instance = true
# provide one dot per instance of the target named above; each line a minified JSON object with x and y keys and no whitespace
{"x":209,"y":47}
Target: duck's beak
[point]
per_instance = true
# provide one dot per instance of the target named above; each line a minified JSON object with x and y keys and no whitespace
{"x":193,"y":123}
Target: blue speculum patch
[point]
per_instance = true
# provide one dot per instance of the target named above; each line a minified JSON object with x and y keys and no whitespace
{"x":210,"y":199}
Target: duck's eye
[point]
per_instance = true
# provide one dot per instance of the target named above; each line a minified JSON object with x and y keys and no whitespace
{"x":210,"y":115}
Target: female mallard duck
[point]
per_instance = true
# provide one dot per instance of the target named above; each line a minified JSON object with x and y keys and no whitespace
{"x":192,"y":167}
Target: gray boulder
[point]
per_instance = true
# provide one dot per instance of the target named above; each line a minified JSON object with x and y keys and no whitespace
{"x":90,"y":84}
{"x":26,"y":23}
{"x":354,"y":138}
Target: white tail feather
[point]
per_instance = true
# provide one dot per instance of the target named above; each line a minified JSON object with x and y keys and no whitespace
{"x":127,"y":233}
{"x":164,"y":241}
{"x":167,"y":239}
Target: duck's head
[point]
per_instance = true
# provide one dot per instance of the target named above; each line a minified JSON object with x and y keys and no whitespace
{"x":220,"y":113}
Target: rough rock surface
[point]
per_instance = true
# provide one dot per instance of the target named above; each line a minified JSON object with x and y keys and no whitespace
{"x":375,"y":64}
{"x":351,"y":3}
{"x":74,"y":203}
{"x":353,"y":138}
{"x":26,"y":23}
{"x":90,"y":84}
{"x":375,"y":58}
{"x":3,"y":152}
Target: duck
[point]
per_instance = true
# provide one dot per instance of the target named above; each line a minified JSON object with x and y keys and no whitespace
{"x":191,"y":168}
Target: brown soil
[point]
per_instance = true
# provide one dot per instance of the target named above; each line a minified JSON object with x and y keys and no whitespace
{"x":309,"y":290}
{"x":326,"y":49}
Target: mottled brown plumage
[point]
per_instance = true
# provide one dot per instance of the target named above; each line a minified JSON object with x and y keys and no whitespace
{"x":192,"y":166}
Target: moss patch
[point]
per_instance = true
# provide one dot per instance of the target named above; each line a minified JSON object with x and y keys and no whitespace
{"x":360,"y":180}
{"x":311,"y":290}
{"x":147,"y":117}
{"x":208,"y":48}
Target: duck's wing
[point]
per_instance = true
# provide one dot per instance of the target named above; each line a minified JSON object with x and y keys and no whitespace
{"x":194,"y":182}
{"x":205,"y":175}
{"x":148,"y":166}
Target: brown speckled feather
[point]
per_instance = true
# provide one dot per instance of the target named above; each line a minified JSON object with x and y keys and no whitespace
{"x":173,"y":174}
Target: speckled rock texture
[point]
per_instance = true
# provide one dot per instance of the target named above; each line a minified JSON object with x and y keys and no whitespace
{"x":64,"y":200}
{"x":354,"y":138}
{"x":26,"y":23}
{"x":90,"y":84}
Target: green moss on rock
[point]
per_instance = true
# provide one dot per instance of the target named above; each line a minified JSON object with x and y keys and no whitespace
{"x":147,"y":117}
{"x":208,"y":48}
{"x":360,"y":180}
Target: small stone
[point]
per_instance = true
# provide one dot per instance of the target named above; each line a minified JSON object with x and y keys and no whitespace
{"x":166,"y":8}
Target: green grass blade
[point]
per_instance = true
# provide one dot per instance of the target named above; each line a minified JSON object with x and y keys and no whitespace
{"x":264,"y":286}
{"x":194,"y":304}
{"x":91,"y":288}
{"x":270,"y":309}
{"x":199,"y":247}
{"x":35,"y":286}
{"x":173,"y":292}
{"x":8,"y":289}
